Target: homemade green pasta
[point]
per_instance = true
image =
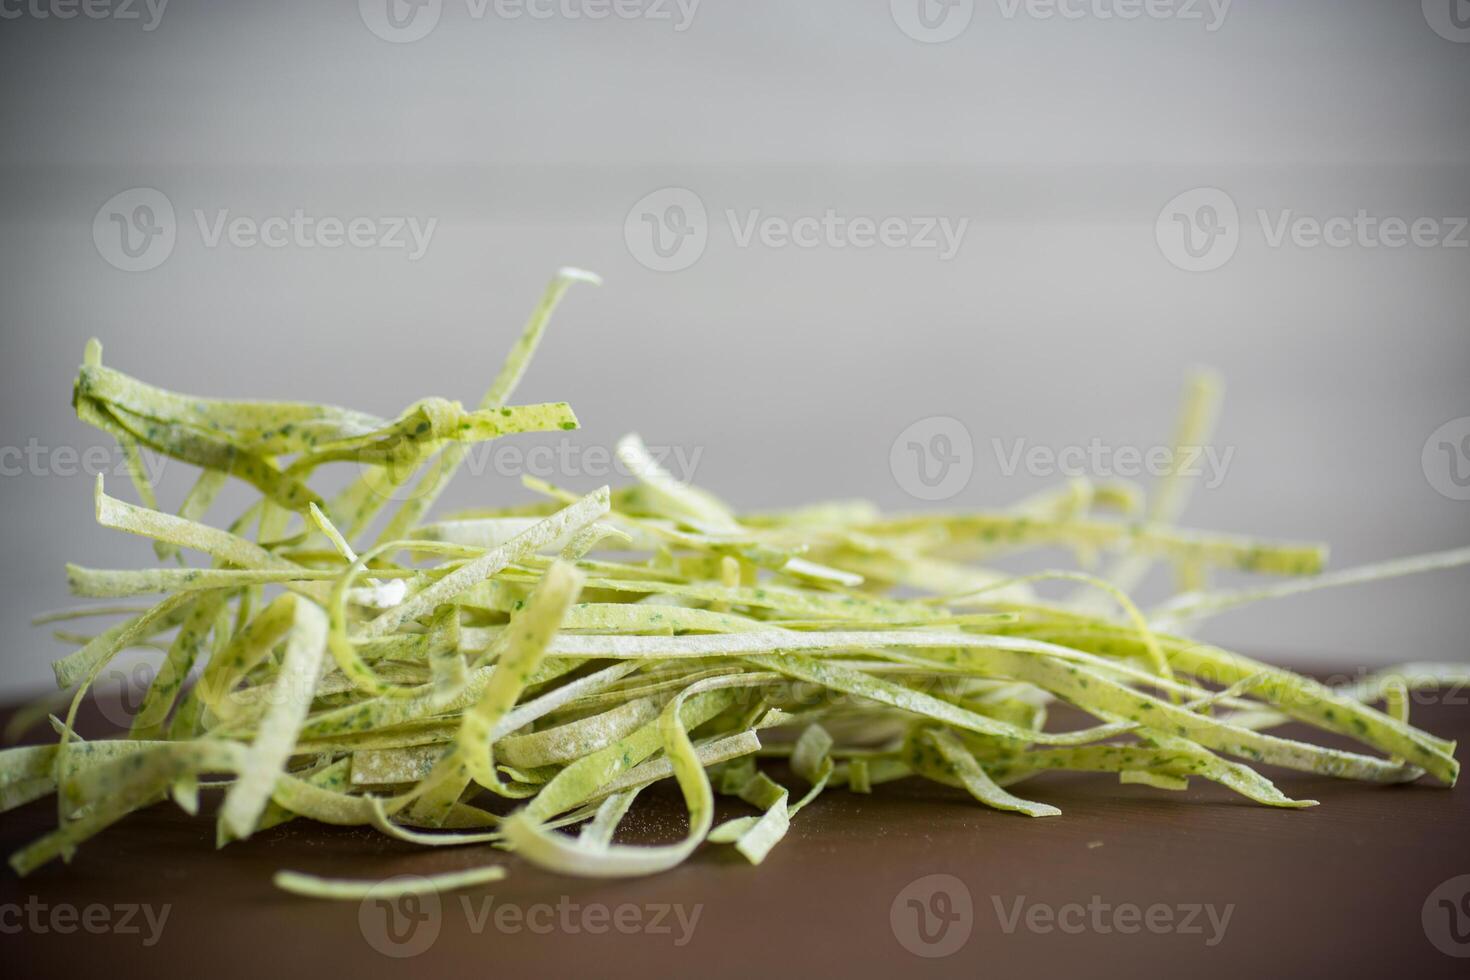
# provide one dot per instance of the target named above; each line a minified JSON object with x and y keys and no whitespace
{"x":567,"y":654}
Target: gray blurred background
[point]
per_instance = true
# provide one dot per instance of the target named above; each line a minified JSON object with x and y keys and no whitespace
{"x":1057,"y":135}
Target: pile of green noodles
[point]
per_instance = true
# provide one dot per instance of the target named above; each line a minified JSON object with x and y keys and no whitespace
{"x":567,"y":654}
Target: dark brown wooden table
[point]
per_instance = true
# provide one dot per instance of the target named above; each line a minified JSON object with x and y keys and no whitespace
{"x":1124,"y":883}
